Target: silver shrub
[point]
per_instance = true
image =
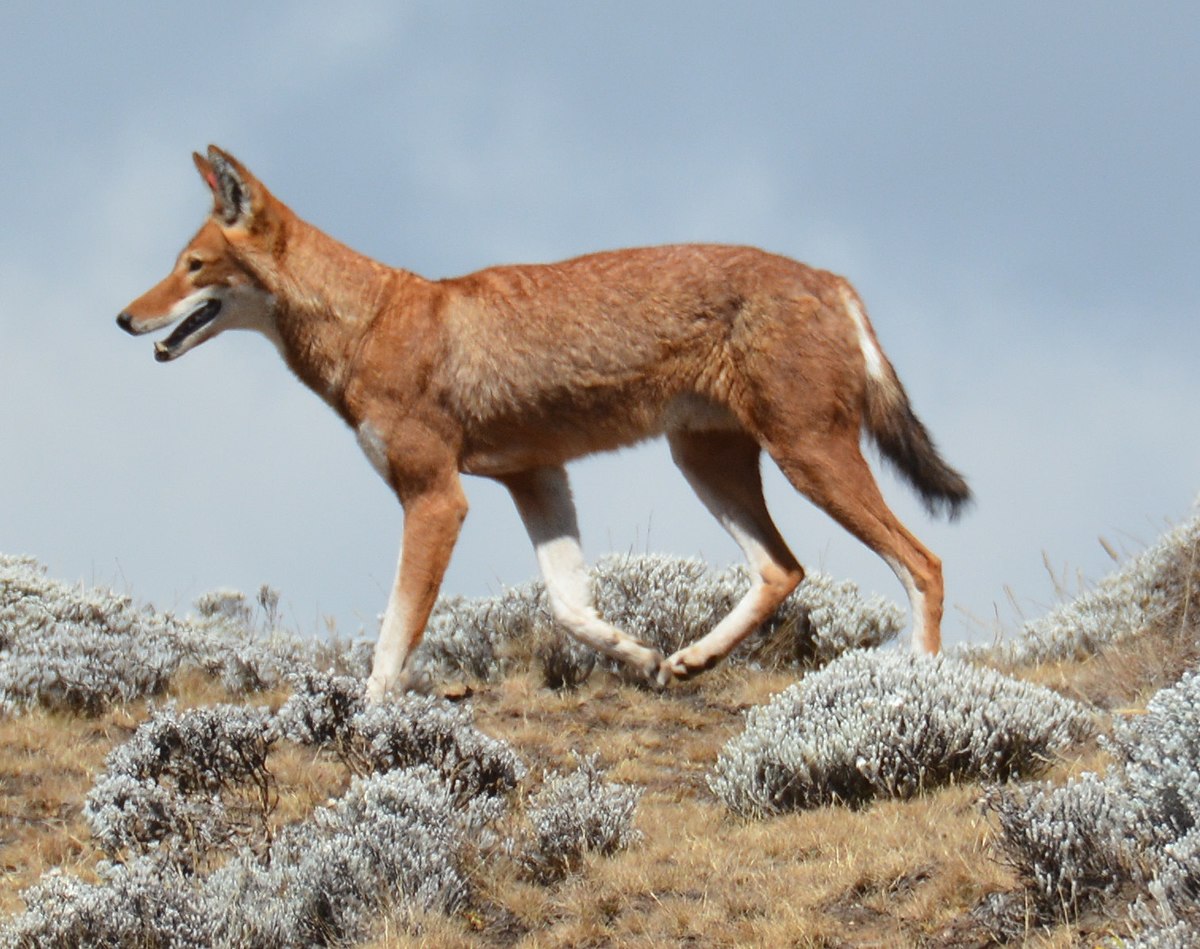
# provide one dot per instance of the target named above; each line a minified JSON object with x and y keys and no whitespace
{"x":830,"y":617}
{"x":244,"y":659}
{"x":1159,"y":755}
{"x":1147,"y":590}
{"x":145,"y":902}
{"x":321,"y":709}
{"x":346,"y":657}
{"x":1137,"y":825}
{"x":179,"y":785}
{"x":1176,"y":885}
{"x":241,"y":644}
{"x":1170,"y":935}
{"x":875,"y":723}
{"x":1157,"y":768}
{"x":327,"y":710}
{"x":76,"y":649}
{"x":68,"y":647}
{"x":395,"y":840}
{"x":1064,"y":842}
{"x":229,"y":605}
{"x":190,"y":792}
{"x":671,"y":601}
{"x":579,"y":813}
{"x":470,"y":635}
{"x":663,"y":601}
{"x":416,"y":729}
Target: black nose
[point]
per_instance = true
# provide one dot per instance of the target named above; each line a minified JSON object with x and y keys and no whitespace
{"x":125,"y":321}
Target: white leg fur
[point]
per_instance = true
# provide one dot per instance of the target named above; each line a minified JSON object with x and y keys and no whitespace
{"x":391,"y":649}
{"x":916,"y":605}
{"x":543,"y":499}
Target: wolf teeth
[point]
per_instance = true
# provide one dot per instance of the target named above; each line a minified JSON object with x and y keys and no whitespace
{"x":198,"y":318}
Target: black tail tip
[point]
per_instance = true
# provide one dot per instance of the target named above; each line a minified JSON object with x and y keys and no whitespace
{"x":949,"y":500}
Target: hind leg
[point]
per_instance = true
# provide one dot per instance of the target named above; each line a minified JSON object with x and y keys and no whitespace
{"x":830,"y":470}
{"x":543,"y":498}
{"x":723,"y":470}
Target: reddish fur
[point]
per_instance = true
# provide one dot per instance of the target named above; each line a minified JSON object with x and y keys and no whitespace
{"x":521,"y":368}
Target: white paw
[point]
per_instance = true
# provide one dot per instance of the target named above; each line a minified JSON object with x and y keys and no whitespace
{"x":669,"y":670}
{"x":683,"y":665}
{"x":377,"y":689}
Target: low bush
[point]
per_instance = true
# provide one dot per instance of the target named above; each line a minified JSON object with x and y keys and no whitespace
{"x":321,"y":709}
{"x":146,"y":901}
{"x":394,"y":840}
{"x":575,"y":814}
{"x":1137,"y":826}
{"x":75,"y":649}
{"x":408,"y":729}
{"x":185,"y":785}
{"x":890,"y":724}
{"x":78,"y":650}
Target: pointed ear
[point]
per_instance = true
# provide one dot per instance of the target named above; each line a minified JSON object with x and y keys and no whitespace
{"x":237,"y":196}
{"x":207,"y":172}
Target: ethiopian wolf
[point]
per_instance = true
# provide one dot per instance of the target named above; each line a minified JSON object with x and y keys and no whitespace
{"x":512,"y":372}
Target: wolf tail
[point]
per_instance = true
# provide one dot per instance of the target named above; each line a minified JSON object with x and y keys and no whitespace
{"x":905,"y":442}
{"x":901,"y":437}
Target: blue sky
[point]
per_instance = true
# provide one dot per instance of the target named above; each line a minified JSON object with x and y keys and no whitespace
{"x":1012,"y":188}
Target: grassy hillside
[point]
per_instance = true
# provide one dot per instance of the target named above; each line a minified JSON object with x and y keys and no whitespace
{"x":156,"y":771}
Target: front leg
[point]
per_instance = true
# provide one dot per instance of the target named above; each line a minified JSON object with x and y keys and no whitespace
{"x":432,"y":520}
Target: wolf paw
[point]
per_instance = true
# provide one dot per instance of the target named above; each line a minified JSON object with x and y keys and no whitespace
{"x":379,"y":687}
{"x":681,"y":666}
{"x":651,"y":667}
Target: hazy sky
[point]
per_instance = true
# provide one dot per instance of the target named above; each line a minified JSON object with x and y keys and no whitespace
{"x":1012,"y":187}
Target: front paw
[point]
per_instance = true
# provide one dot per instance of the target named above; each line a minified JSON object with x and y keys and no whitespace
{"x":684,"y":665}
{"x":650,"y":665}
{"x":377,"y":689}
{"x":380,"y":687}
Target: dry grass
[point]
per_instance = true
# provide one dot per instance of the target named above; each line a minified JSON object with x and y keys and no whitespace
{"x":894,"y":874}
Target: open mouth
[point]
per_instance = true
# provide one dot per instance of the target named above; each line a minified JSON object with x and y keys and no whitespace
{"x":193,"y":323}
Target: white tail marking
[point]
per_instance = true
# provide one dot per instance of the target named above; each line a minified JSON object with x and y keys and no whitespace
{"x":870,"y":350}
